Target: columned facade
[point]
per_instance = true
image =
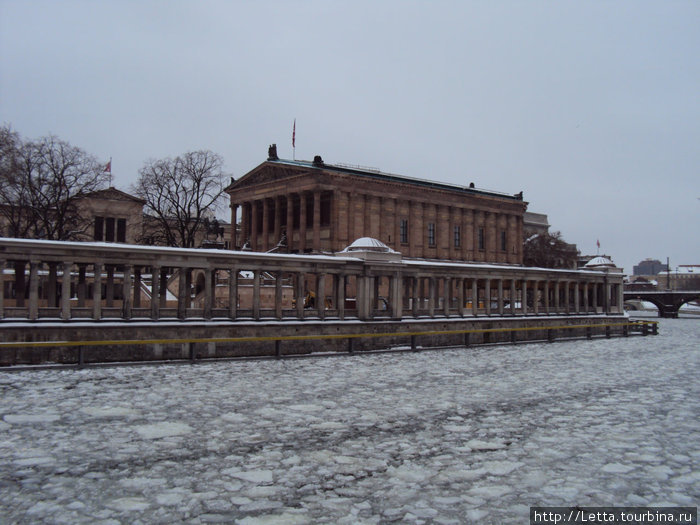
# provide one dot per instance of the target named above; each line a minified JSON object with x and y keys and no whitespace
{"x":320,"y":208}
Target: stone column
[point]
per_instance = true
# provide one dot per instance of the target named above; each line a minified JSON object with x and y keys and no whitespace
{"x":137,"y":287}
{"x":278,"y":295}
{"x":208,"y":293}
{"x":256,"y":295}
{"x":557,"y":305}
{"x":254,"y":245}
{"x":364,"y":296}
{"x":163,"y":289}
{"x":431,"y":296}
{"x":245,"y":222}
{"x":97,"y":291}
{"x":290,"y":222}
{"x":487,"y":296}
{"x":300,"y":294}
{"x":233,"y":292}
{"x":302,"y":222}
{"x":82,"y":284}
{"x":183,"y":293}
{"x":395,"y":296}
{"x":234,"y":238}
{"x":278,"y":221}
{"x":500,"y":297}
{"x":155,"y":294}
{"x":51,"y":295}
{"x":126,"y":293}
{"x":265,"y":225}
{"x":446,"y":295}
{"x":546,"y":296}
{"x":321,"y":295}
{"x":576,"y":298}
{"x":620,"y":298}
{"x":2,"y":288}
{"x":65,"y":290}
{"x":415,"y":298}
{"x":535,"y":298}
{"x":567,"y":297}
{"x":586,"y":306}
{"x":475,"y":297}
{"x":460,"y":296}
{"x":109,"y":288}
{"x":513,"y":293}
{"x":341,"y":296}
{"x":595,"y":297}
{"x":523,"y":297}
{"x":34,"y":290}
{"x":317,"y":221}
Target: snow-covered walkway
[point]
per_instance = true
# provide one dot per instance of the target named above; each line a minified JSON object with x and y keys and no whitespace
{"x":458,"y":436}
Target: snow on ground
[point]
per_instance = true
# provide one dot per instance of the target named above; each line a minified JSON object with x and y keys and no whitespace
{"x":454,"y":436}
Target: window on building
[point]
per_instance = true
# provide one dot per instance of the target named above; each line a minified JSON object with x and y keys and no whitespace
{"x":121,"y":230}
{"x":431,"y":234}
{"x":109,"y":229}
{"x":457,"y":237}
{"x":503,"y":241}
{"x":481,"y":238}
{"x":99,"y":228}
{"x":403,"y":231}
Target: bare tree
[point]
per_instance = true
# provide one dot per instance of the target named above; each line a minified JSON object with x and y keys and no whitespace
{"x":549,"y":250}
{"x":41,"y":184}
{"x":180,"y":193}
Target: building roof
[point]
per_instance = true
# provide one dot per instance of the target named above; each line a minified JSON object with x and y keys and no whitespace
{"x":375,"y":174}
{"x":113,"y":193}
{"x":600,"y":262}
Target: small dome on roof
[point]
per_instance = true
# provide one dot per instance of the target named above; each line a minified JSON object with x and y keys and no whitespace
{"x":600,"y":262}
{"x":368,"y":244}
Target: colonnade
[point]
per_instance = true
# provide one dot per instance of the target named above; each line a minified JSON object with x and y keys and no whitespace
{"x":53,"y":280}
{"x":299,"y":215}
{"x":316,"y":221}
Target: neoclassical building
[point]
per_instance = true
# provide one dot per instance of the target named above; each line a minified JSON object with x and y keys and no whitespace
{"x":316,"y":207}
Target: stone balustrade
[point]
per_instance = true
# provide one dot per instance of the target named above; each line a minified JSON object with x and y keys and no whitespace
{"x":46,"y":280}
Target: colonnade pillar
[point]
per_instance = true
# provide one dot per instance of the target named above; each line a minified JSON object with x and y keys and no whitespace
{"x":97,"y":291}
{"x":155,"y":301}
{"x":65,"y":290}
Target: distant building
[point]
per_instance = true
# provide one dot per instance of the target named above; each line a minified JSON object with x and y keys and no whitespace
{"x":685,"y":277}
{"x":317,"y":207}
{"x":535,"y":223}
{"x":649,"y":267}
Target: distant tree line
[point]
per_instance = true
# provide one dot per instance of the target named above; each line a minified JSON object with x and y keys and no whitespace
{"x":42,"y":182}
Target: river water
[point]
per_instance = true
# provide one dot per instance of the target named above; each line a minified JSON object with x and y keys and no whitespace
{"x":452,"y":436}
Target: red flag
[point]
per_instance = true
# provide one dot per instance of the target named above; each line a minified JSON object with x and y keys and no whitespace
{"x":108,"y":167}
{"x":598,"y":242}
{"x":294,"y":133}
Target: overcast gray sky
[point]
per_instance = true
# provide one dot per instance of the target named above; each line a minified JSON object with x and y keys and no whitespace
{"x":591,"y":108}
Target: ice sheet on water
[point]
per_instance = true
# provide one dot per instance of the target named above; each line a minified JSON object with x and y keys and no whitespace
{"x":460,"y":435}
{"x":162,"y":429}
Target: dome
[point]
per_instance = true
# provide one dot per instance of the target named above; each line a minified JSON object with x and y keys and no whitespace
{"x":600,"y":262}
{"x":368,"y":244}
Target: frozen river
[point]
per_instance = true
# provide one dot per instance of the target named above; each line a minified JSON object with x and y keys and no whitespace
{"x":459,"y":436}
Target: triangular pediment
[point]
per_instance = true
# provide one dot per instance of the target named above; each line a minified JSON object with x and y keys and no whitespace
{"x":113,"y":194}
{"x":266,"y":172}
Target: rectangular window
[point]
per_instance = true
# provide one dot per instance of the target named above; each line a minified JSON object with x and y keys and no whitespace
{"x":481,"y":238}
{"x":109,"y":229}
{"x":458,"y":237}
{"x":431,"y":234}
{"x":99,"y":228}
{"x":403,"y":231}
{"x":503,"y":241}
{"x":121,"y":230}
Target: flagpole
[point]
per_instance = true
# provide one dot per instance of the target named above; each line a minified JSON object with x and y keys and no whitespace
{"x":294,"y":146}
